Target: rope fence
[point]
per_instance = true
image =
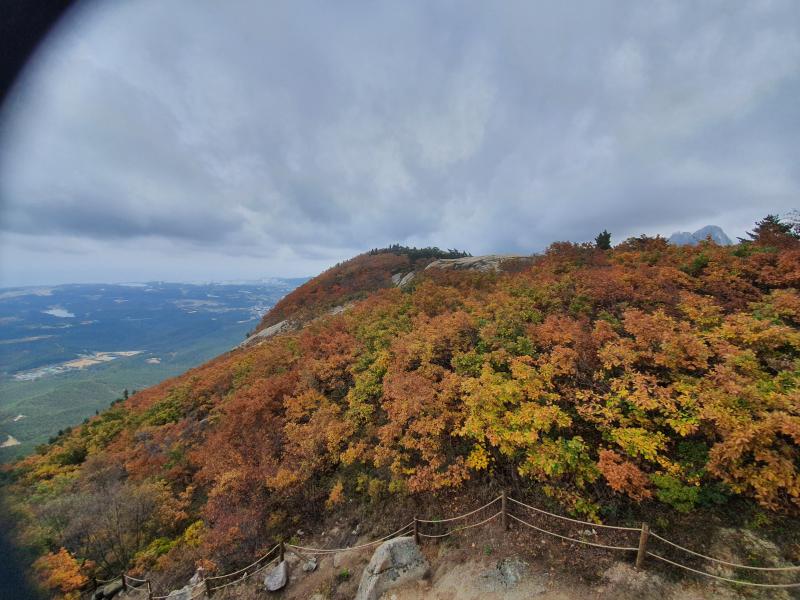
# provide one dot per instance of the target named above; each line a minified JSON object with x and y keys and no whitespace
{"x":307,"y":550}
{"x":208,"y":585}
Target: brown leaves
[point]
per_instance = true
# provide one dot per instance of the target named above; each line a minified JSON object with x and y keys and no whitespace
{"x":623,"y":476}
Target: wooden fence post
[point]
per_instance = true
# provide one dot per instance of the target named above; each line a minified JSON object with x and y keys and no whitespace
{"x":124,"y":583}
{"x":642,"y":552}
{"x":282,"y":550}
{"x":416,"y":530}
{"x":94,"y":583}
{"x":503,"y":512}
{"x":209,"y":589}
{"x":149,"y":591}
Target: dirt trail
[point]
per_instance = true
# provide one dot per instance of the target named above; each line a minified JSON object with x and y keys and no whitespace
{"x":491,"y":566}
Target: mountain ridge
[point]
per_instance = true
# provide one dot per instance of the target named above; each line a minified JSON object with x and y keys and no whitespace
{"x":647,"y":377}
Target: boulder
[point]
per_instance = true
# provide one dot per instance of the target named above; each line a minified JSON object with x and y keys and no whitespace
{"x":394,"y":562}
{"x":109,"y":590}
{"x":276,"y":579}
{"x":310,"y":565}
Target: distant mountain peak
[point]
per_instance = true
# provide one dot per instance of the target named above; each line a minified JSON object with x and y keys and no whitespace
{"x":684,"y":238}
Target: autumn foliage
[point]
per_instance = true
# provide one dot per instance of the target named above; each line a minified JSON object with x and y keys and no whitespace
{"x":643,"y":373}
{"x":60,"y":571}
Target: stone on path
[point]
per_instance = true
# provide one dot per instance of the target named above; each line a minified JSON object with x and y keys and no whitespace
{"x":277,"y":577}
{"x":310,"y":565}
{"x":394,"y":562}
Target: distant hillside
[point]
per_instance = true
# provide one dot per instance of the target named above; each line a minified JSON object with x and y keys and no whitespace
{"x":645,"y":378}
{"x":351,"y":280}
{"x":67,"y":351}
{"x":684,"y":238}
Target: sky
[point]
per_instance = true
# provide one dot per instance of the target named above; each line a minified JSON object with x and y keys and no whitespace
{"x":203,"y":140}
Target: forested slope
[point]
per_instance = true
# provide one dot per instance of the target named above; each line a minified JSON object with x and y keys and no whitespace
{"x":647,"y":374}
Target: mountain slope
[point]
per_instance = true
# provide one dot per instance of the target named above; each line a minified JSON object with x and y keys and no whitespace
{"x":649,"y":375}
{"x":351,"y":280}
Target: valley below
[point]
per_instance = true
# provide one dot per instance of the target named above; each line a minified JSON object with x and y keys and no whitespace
{"x":68,"y":351}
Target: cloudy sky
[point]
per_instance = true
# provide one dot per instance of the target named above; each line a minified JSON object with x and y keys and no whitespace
{"x":197,"y":140}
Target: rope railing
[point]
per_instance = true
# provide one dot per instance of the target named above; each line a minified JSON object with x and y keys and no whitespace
{"x":721,"y":578}
{"x":192,"y":592}
{"x":245,"y":576}
{"x":243,"y":569}
{"x":210,"y":584}
{"x":725,"y":562}
{"x":309,"y":550}
{"x":563,"y":518}
{"x":462,"y":528}
{"x":642,"y":550}
{"x":458,"y":517}
{"x":571,"y":539}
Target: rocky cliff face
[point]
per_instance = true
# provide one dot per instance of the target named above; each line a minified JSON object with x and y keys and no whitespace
{"x":684,"y":238}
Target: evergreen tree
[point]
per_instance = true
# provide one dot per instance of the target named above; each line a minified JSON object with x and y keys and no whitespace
{"x":773,"y":231}
{"x":603,"y":240}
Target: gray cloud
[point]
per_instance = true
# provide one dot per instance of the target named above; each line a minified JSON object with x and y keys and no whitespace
{"x":281,"y":137}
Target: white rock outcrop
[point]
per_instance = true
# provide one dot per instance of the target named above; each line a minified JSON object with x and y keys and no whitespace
{"x":487,"y":263}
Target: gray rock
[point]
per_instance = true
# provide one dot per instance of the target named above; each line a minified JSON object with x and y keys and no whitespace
{"x":268,"y":332}
{"x":310,"y":565}
{"x":488,"y":263}
{"x":505,"y":575}
{"x":684,"y":238}
{"x":276,"y":579}
{"x":199,"y":575}
{"x":394,"y":562}
{"x":185,"y":593}
{"x":109,"y":590}
{"x":403,"y":279}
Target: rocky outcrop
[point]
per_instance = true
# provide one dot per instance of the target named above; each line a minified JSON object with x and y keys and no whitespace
{"x":487,"y":263}
{"x":394,"y":562}
{"x":403,"y":279}
{"x":268,"y":332}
